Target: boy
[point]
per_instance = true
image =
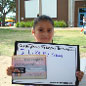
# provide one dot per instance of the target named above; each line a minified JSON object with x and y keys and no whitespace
{"x":43,"y":31}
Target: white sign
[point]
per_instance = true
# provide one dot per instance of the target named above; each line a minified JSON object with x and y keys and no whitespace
{"x":61,"y":61}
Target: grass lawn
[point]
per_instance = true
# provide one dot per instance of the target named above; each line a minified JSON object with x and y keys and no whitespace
{"x":9,"y":36}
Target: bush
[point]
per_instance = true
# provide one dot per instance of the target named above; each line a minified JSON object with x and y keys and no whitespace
{"x":60,"y":24}
{"x":29,"y":24}
{"x":24,"y":24}
{"x":17,"y":24}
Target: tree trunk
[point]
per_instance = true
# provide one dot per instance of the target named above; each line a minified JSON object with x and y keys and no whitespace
{"x":3,"y":20}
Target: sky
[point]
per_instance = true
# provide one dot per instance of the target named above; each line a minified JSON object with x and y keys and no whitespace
{"x":10,"y":14}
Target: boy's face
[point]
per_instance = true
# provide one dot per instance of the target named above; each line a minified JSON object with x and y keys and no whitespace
{"x":43,"y":32}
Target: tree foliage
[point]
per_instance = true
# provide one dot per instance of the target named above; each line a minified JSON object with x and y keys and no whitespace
{"x":6,"y":6}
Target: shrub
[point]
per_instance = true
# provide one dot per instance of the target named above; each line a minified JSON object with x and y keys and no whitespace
{"x":17,"y":24}
{"x":60,"y":24}
{"x":24,"y":24}
{"x":29,"y":24}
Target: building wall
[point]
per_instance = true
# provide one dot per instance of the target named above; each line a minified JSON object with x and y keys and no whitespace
{"x":78,"y":4}
{"x":62,"y":11}
{"x":22,"y":13}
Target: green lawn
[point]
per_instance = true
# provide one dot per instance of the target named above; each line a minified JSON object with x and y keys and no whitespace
{"x":9,"y":36}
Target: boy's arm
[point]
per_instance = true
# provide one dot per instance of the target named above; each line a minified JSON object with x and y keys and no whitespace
{"x":79,"y":75}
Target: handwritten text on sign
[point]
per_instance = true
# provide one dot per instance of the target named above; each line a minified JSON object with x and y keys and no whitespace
{"x":33,"y":49}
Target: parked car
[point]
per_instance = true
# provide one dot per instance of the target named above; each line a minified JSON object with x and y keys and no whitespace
{"x":9,"y":23}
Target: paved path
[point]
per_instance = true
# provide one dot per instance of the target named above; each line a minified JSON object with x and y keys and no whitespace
{"x":59,"y":28}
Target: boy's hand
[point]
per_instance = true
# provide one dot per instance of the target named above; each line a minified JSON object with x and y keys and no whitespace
{"x":79,"y":74}
{"x":10,"y":70}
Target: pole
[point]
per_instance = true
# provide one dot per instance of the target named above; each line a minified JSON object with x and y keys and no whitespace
{"x":18,"y":10}
{"x":40,"y":7}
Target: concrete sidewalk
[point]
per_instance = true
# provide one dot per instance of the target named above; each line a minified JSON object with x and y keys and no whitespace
{"x":59,"y":28}
{"x":15,"y":28}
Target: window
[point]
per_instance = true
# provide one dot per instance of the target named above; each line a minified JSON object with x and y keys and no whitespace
{"x":49,"y":7}
{"x":82,"y":10}
{"x":31,"y":8}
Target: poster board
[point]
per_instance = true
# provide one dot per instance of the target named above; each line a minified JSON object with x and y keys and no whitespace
{"x":62,"y":61}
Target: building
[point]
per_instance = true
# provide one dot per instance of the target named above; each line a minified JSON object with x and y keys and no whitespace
{"x":71,"y":11}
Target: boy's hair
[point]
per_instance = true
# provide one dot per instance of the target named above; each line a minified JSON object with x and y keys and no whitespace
{"x":42,"y":18}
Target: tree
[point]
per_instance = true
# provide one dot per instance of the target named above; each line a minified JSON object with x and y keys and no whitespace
{"x":6,"y":6}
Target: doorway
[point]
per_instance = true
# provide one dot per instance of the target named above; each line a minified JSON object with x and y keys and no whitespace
{"x":81,"y":13}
